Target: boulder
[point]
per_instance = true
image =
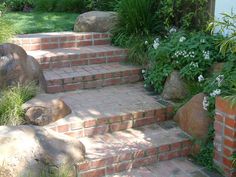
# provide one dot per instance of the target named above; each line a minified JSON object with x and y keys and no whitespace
{"x":217,"y":67}
{"x":26,"y":150}
{"x":16,"y":67}
{"x":174,"y":88}
{"x":193,"y":119}
{"x":42,"y":113}
{"x":96,"y":21}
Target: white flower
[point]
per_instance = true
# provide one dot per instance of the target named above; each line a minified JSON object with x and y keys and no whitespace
{"x":215,"y":93}
{"x":157,"y":40}
{"x":219,"y":80}
{"x":195,"y":65}
{"x":203,"y":41}
{"x":143,"y":71}
{"x":205,"y":103}
{"x":201,"y":78}
{"x":182,"y":39}
{"x":173,"y":30}
{"x":156,"y":45}
{"x":146,"y":43}
{"x":206,"y":55}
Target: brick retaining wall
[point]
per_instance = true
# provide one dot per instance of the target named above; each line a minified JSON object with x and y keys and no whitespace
{"x":225,"y":136}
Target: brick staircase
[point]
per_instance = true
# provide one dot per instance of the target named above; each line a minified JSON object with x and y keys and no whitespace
{"x":122,"y":126}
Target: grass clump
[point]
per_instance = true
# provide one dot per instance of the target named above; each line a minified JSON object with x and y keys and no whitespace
{"x":11,"y":101}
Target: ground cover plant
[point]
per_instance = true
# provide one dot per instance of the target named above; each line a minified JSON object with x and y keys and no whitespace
{"x":11,"y":101}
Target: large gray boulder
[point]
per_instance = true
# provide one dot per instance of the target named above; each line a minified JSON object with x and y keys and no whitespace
{"x":175,"y":87}
{"x":26,"y":150}
{"x":96,"y":21}
{"x":16,"y":67}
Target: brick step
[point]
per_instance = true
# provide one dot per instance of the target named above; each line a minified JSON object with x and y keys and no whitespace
{"x":89,"y":76}
{"x":54,"y":40}
{"x":68,"y":57}
{"x":108,"y":109}
{"x":124,"y":150}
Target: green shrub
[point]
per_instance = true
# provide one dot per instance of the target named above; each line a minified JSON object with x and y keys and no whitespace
{"x":107,"y":5}
{"x":70,"y":6}
{"x":11,"y":101}
{"x":190,"y":53}
{"x":18,"y":5}
{"x":185,"y":14}
{"x":45,"y":5}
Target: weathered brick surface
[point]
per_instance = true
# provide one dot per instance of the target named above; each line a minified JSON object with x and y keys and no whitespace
{"x":225,"y":136}
{"x":108,"y":110}
{"x":91,"y":76}
{"x":44,"y":41}
{"x":69,"y":57}
{"x":124,"y":150}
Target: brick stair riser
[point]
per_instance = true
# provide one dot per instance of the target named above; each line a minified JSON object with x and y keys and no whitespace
{"x":32,"y":44}
{"x":134,"y":159}
{"x":93,"y":127}
{"x":62,"y":61}
{"x":96,"y":81}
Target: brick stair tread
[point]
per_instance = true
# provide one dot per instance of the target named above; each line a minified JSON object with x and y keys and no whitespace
{"x":87,"y":50}
{"x":119,"y":107}
{"x":131,"y":140}
{"x":87,"y":70}
{"x":119,"y":151}
{"x":55,"y":34}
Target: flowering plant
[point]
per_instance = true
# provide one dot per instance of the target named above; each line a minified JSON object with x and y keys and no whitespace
{"x":190,"y":53}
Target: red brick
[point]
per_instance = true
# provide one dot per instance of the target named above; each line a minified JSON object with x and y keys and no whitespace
{"x":63,"y":128}
{"x":144,"y":161}
{"x":228,"y":152}
{"x":93,"y":173}
{"x":145,"y":121}
{"x":164,"y":148}
{"x":138,"y":154}
{"x":229,"y":143}
{"x":118,"y":167}
{"x":97,"y":164}
{"x":125,"y":157}
{"x":227,"y":162}
{"x":224,"y":106}
{"x":229,"y":132}
{"x":72,"y":87}
{"x":54,"y":89}
{"x":230,"y":122}
{"x":84,"y":166}
{"x":151,"y":151}
{"x":175,"y":146}
{"x":101,"y":42}
{"x":90,"y":123}
{"x":160,"y":114}
{"x":121,"y":126}
{"x":96,"y":130}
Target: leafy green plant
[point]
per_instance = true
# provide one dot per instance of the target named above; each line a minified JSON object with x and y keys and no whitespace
{"x":185,"y":14}
{"x":18,"y":5}
{"x":190,"y":53}
{"x":11,"y":101}
{"x":226,"y":25}
{"x":101,"y":4}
